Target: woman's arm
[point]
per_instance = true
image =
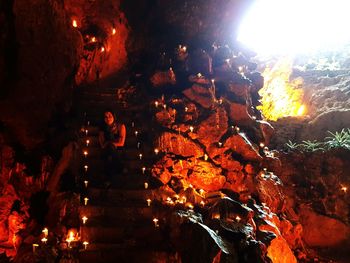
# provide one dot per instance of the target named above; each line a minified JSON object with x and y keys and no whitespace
{"x":119,"y":142}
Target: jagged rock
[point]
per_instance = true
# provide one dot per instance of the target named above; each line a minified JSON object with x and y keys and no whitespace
{"x":240,"y":90}
{"x":239,"y":144}
{"x":239,"y":115}
{"x":200,"y":95}
{"x":179,"y":145}
{"x":165,"y":117}
{"x":267,"y":130}
{"x":236,"y":182}
{"x":206,"y":176}
{"x":322,"y":231}
{"x":279,"y":251}
{"x":270,"y":192}
{"x":229,"y":209}
{"x":200,"y":62}
{"x":162,"y":78}
{"x":213,"y":128}
{"x":227,"y":162}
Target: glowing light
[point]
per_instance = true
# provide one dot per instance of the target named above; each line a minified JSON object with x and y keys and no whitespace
{"x":238,"y":218}
{"x":295,"y":26}
{"x":44,"y":240}
{"x":85,"y":153}
{"x":191,"y":128}
{"x":45,"y":231}
{"x":84,"y":218}
{"x":87,"y":142}
{"x":93,"y":39}
{"x":280,"y":96}
{"x":34,"y":247}
{"x":156,"y":151}
{"x":85,"y":243}
{"x":86,"y":183}
{"x":149,"y":202}
{"x":156,"y":103}
{"x":74,"y":23}
{"x":344,"y":189}
{"x":102,"y":49}
{"x":155,"y":221}
{"x":114,"y":31}
{"x":86,"y":168}
{"x":146,"y":185}
{"x":140,"y":156}
{"x":86,"y":200}
{"x":143,"y":170}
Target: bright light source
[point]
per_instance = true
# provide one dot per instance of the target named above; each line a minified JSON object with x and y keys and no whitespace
{"x":295,"y":26}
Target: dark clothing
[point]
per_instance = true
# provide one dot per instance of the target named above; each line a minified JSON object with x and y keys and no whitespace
{"x":112,"y":132}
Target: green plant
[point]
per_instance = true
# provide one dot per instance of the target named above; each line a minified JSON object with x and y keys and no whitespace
{"x":292,"y":146}
{"x":338,"y":139}
{"x":312,"y":146}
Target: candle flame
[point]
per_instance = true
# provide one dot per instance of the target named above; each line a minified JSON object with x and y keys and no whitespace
{"x":74,"y":23}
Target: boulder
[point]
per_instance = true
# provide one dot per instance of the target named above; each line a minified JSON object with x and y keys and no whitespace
{"x":179,"y":145}
{"x":213,"y":128}
{"x":239,"y":115}
{"x":239,"y":144}
{"x":200,"y":95}
{"x":322,"y":231}
{"x":207,"y":177}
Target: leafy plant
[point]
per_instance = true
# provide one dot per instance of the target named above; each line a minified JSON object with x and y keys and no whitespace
{"x":338,"y":139}
{"x":292,"y":146}
{"x":312,"y":146}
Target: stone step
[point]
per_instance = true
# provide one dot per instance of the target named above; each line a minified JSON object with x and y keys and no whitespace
{"x":109,"y":253}
{"x":138,"y":197}
{"x":116,"y":234}
{"x":116,"y":213}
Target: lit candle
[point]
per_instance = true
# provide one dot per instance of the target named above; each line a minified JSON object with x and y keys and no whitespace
{"x":201,"y":191}
{"x":34,"y":247}
{"x":344,"y":189}
{"x":155,"y":221}
{"x":74,"y":23}
{"x":237,"y":129}
{"x":205,"y":157}
{"x":136,"y":133}
{"x":86,"y":153}
{"x":156,"y":151}
{"x":262,"y":145}
{"x":186,"y":109}
{"x":85,"y":243}
{"x":148,"y":202}
{"x":191,"y":128}
{"x":265,"y":170}
{"x":86,"y":183}
{"x":143,"y":170}
{"x":138,"y":145}
{"x":216,"y":216}
{"x":199,"y":75}
{"x":164,"y":106}
{"x":87,"y":142}
{"x":202,"y":203}
{"x":190,"y":206}
{"x":93,"y":39}
{"x":84,"y":218}
{"x":220,"y":144}
{"x":114,"y":31}
{"x":238,"y":218}
{"x":86,"y":132}
{"x":86,"y":168}
{"x":86,"y":200}
{"x":140,"y":156}
{"x":146,"y":185}
{"x":213,"y":84}
{"x":102,"y":49}
{"x":44,"y":240}
{"x":156,"y":103}
{"x":45,"y":231}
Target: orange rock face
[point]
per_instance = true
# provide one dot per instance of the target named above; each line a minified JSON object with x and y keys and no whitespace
{"x":279,"y":251}
{"x":207,"y":177}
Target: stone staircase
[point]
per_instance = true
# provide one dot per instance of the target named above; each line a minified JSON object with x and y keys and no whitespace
{"x":120,"y":225}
